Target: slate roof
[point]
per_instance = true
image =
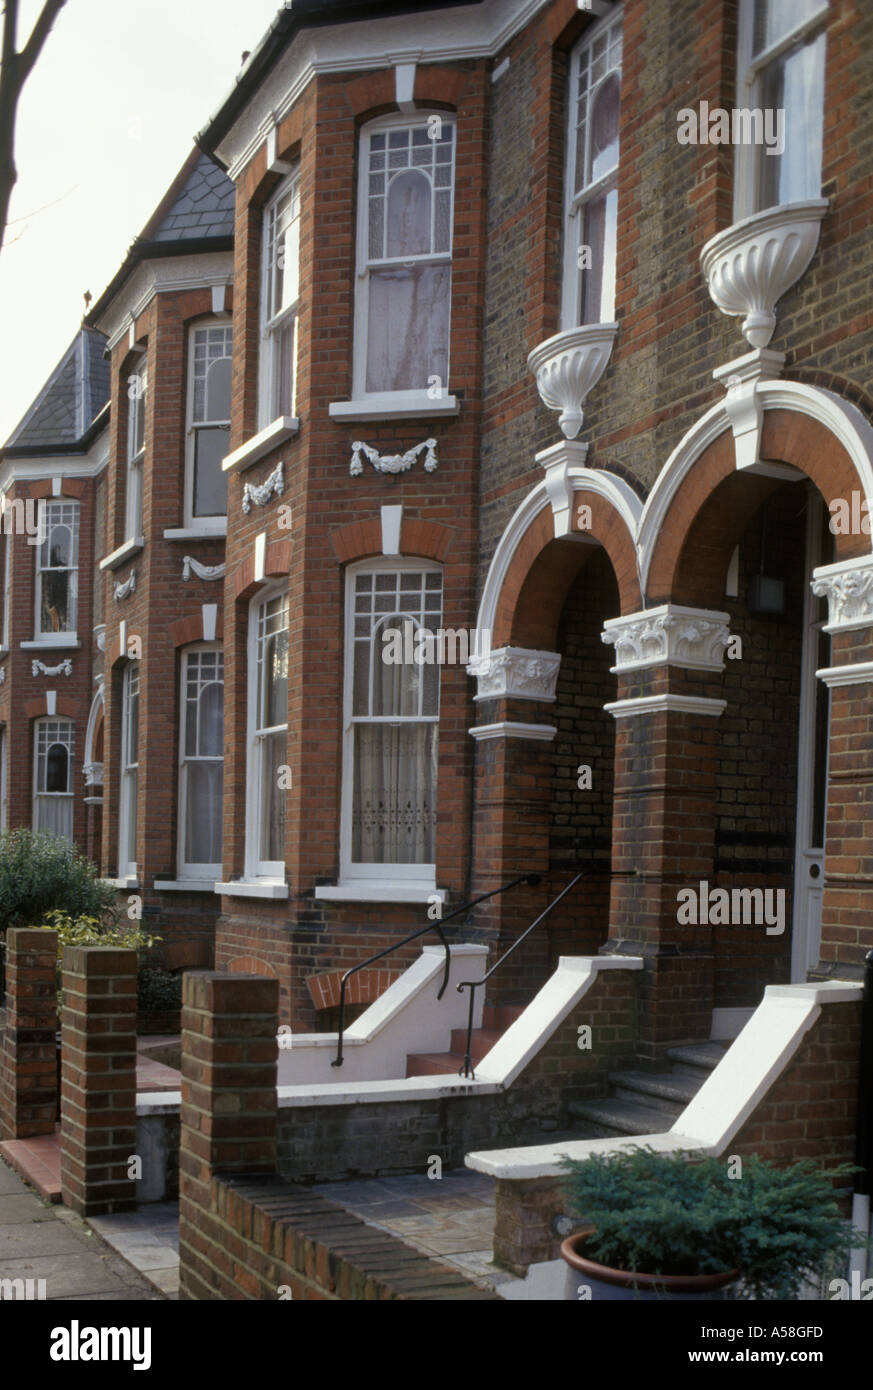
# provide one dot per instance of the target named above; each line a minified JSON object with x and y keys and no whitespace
{"x":203,"y":208}
{"x":71,"y":399}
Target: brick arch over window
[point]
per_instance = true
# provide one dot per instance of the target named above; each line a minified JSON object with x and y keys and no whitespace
{"x":250,"y":965}
{"x":277,"y":564}
{"x":190,"y":629}
{"x":362,"y":540}
{"x":532,"y":571}
{"x":686,"y":552}
{"x":363,"y":988}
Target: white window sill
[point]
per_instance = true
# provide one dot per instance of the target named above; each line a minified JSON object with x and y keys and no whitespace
{"x":252,"y":888}
{"x":126,"y":881}
{"x":261,"y":443}
{"x":216,"y":530}
{"x":124,"y":552}
{"x":184,"y":885}
{"x":93,"y":800}
{"x":395,"y":405}
{"x":55,"y":641}
{"x":379,"y":892}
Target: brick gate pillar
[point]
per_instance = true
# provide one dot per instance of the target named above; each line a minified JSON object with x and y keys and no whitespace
{"x":512,"y":812}
{"x":847,"y":898}
{"x":229,"y":1109}
{"x":28,"y":1059}
{"x":669,"y":663}
{"x":98,"y":1079}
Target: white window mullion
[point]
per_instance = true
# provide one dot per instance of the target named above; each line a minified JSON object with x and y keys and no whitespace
{"x":54,"y":742}
{"x":201,"y":762}
{"x":267,"y":736}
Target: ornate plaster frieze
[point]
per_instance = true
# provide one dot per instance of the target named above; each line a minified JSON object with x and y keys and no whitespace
{"x":848,"y":588}
{"x":393,"y":463}
{"x":516,"y":673}
{"x":694,"y":638}
{"x":125,"y":590}
{"x":93,"y":774}
{"x":273,"y":486}
{"x":2,"y":674}
{"x":63,"y":668}
{"x":100,"y":636}
{"x":190,"y":565}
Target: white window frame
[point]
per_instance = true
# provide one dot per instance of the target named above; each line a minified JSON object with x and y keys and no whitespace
{"x":127,"y":804}
{"x":48,"y":506}
{"x":69,"y":741}
{"x":749,"y":70}
{"x":418,"y":397}
{"x":267,"y":871}
{"x":575,"y":201}
{"x":135,"y":452}
{"x":216,"y":520}
{"x":272,"y":326}
{"x":190,"y":869}
{"x":7,"y":575}
{"x":353,"y":873}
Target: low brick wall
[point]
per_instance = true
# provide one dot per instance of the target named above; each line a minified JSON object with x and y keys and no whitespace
{"x":325,"y":1142}
{"x":243,"y":1232}
{"x":267,"y":1239}
{"x":28,"y":1059}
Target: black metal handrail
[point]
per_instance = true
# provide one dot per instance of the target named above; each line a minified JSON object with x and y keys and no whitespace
{"x":473,"y":985}
{"x":532,"y":879}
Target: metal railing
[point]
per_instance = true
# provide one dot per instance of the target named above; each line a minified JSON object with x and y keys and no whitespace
{"x":473,"y":985}
{"x":532,"y":879}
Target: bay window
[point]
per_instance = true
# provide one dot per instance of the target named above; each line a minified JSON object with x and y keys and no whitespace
{"x":280,"y":292}
{"x":781,"y":68}
{"x":127,"y":818}
{"x":137,"y":388}
{"x":405,"y":216}
{"x":209,"y":367}
{"x":57,"y":569}
{"x":591,"y":199}
{"x":391,"y":722}
{"x":54,"y":746}
{"x":268,"y":734}
{"x":201,"y":763}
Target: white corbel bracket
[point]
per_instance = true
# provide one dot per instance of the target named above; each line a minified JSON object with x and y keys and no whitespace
{"x":744,"y":410}
{"x":556,"y":463}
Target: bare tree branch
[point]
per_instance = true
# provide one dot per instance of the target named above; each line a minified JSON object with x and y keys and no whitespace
{"x":15,"y":68}
{"x":41,"y":30}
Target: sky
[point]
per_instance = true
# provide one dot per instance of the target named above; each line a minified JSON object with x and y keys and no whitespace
{"x":105,"y":121}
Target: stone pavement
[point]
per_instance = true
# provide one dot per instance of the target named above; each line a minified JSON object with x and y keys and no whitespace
{"x":147,"y":1238}
{"x":451,"y":1217}
{"x":39,"y":1241}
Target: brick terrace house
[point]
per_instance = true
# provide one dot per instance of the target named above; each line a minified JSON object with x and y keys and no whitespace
{"x":451,"y":222}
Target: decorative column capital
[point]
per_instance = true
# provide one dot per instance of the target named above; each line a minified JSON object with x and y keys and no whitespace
{"x":516,"y":673}
{"x":848,"y":588}
{"x":694,"y":638}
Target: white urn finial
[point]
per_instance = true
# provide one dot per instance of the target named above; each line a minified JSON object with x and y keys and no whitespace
{"x":567,"y":366}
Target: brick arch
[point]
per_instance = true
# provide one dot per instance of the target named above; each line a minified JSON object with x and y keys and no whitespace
{"x":361,"y":540}
{"x":250,"y":965}
{"x":66,"y":705}
{"x":714,"y":503}
{"x":277,"y":564}
{"x":543,"y":569}
{"x":190,"y":629}
{"x":363,"y":988}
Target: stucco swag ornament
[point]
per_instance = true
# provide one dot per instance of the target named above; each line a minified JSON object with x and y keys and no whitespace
{"x":63,"y":668}
{"x":392,"y":463}
{"x":210,"y":572}
{"x":125,"y":590}
{"x":274,"y":486}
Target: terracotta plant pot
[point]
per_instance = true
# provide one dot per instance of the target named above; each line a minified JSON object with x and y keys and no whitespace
{"x":607,"y":1283}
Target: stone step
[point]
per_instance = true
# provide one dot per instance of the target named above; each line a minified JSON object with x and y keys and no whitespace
{"x":696,"y":1059}
{"x":481,"y":1041}
{"x":667,"y":1088}
{"x":610,"y":1117}
{"x":434,"y":1063}
{"x":500,"y":1016}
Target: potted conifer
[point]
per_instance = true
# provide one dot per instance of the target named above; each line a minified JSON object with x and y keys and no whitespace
{"x":676,"y":1226}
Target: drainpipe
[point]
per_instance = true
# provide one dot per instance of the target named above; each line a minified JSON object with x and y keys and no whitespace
{"x":864,"y":1133}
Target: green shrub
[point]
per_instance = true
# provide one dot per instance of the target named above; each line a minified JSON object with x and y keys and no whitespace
{"x":40,"y":872}
{"x":90,"y":931}
{"x":670,"y":1214}
{"x":158,"y":991}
